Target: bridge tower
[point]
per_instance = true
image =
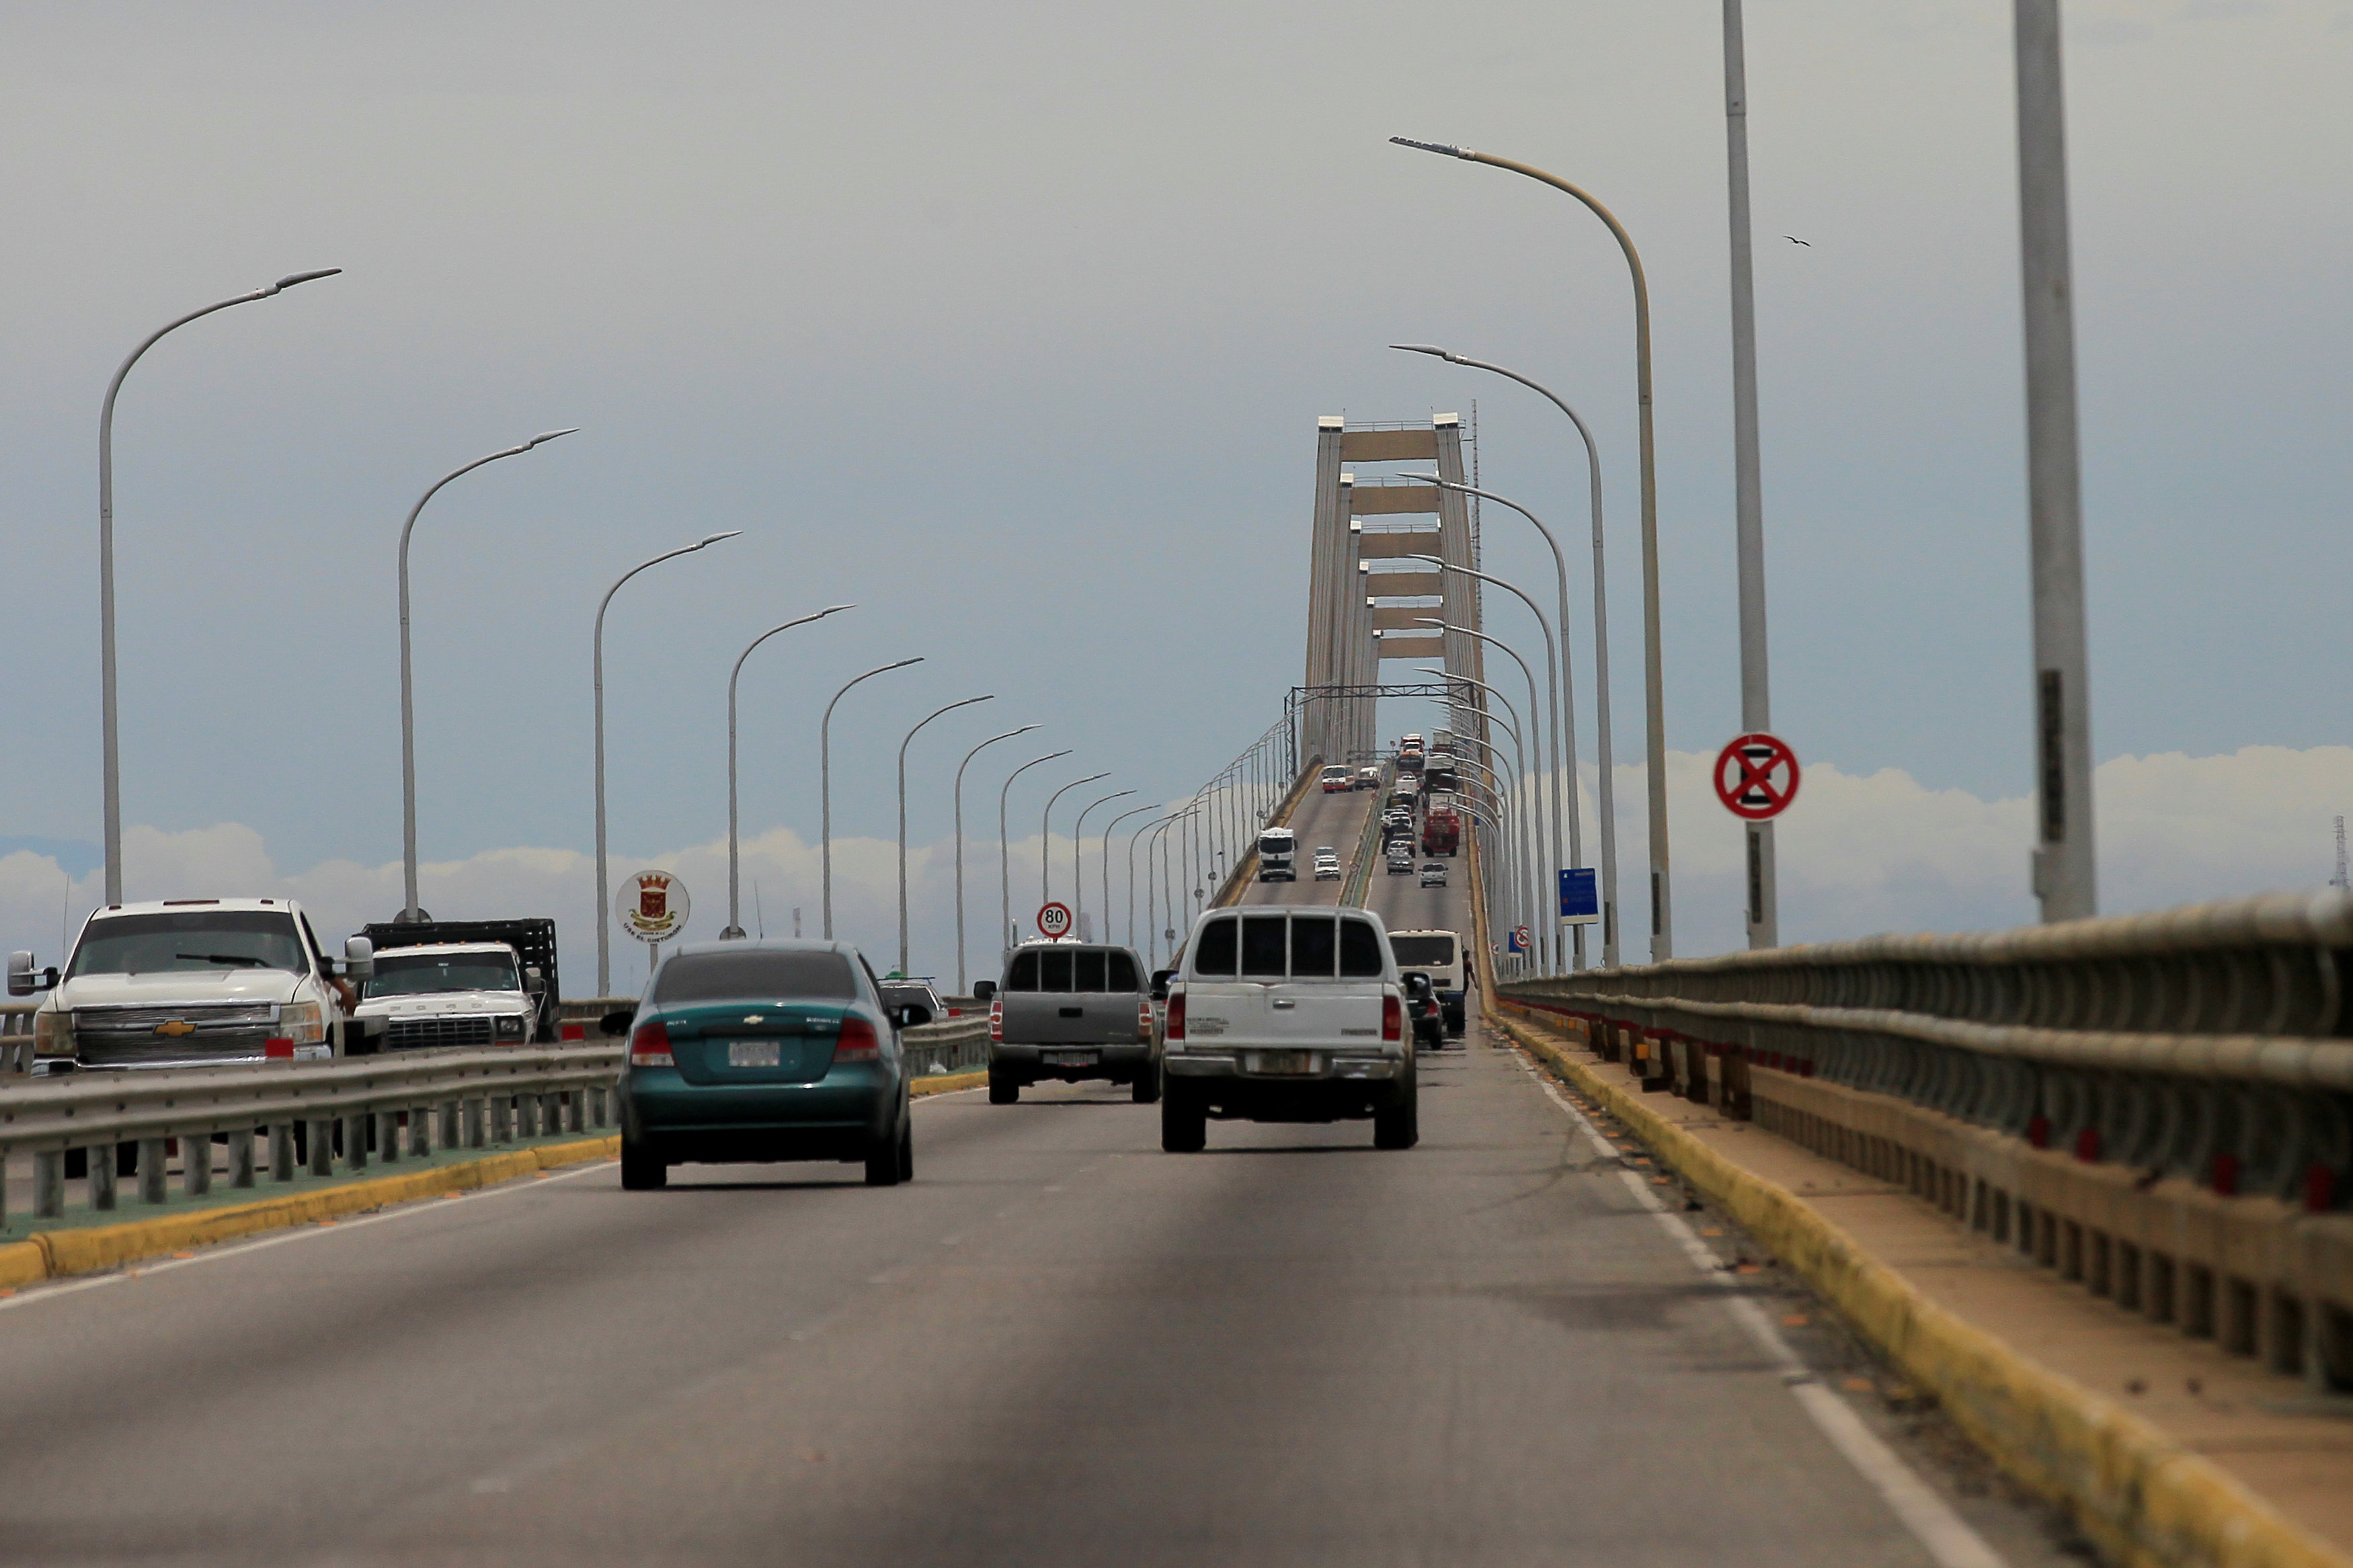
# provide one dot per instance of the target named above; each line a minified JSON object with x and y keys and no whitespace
{"x":1365,"y":596}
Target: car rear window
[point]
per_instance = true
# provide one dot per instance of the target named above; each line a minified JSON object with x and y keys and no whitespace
{"x":756,"y":975}
{"x":1068,"y":969}
{"x":1422,"y":952}
{"x":1304,"y":947}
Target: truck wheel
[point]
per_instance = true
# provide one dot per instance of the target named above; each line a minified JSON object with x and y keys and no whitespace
{"x":1003,"y":1087}
{"x":640,"y":1172}
{"x":1184,"y":1124}
{"x":1398,"y":1126}
{"x":1145,"y":1087}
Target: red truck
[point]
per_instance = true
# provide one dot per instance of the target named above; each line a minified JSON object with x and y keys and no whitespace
{"x":1442,"y":828}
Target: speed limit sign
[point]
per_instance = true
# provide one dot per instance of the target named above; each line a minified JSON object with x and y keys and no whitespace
{"x":1054,"y":920}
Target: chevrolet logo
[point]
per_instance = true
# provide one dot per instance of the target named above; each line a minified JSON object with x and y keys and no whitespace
{"x":175,"y":1028}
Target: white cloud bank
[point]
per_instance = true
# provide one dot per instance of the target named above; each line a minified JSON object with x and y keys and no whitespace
{"x":1859,"y":853}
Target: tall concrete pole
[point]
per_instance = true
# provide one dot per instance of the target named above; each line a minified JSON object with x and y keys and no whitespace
{"x":951,"y":707}
{"x":962,"y":989}
{"x":1079,"y":865}
{"x":2065,"y":877}
{"x":733,"y":930}
{"x":1005,"y":853}
{"x":1663,"y":923}
{"x":1748,"y":512}
{"x":1046,"y":844}
{"x":110,"y":758}
{"x":825,"y":780}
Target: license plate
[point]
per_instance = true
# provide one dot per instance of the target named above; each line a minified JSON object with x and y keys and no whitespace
{"x":1283,"y":1062}
{"x":1070,"y":1058}
{"x":752,"y":1053}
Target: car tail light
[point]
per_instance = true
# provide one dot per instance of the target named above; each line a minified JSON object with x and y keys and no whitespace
{"x":1143,"y":1020}
{"x":649,"y":1046}
{"x":858,"y":1041}
{"x":1177,"y":1017}
{"x":996,"y":1023}
{"x":1392,"y":1019}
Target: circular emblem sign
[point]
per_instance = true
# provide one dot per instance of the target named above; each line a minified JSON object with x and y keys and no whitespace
{"x":1757,"y":776}
{"x":653,"y":906}
{"x":1054,"y":920}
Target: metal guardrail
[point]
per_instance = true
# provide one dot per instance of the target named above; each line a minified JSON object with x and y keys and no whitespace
{"x":2158,"y":1105}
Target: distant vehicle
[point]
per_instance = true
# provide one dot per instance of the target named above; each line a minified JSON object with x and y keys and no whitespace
{"x":190,"y":983}
{"x":1441,"y":742}
{"x":1401,"y":861}
{"x":1441,"y":827}
{"x":1433,"y":875}
{"x":1422,"y":1009}
{"x":1328,"y":866}
{"x":1277,"y":849}
{"x":1337,"y":779}
{"x":449,"y":994}
{"x":1288,"y":1015}
{"x":1409,"y":764}
{"x":898,"y":992}
{"x":1439,"y":954}
{"x":1366,"y":778}
{"x":533,"y":940}
{"x":765,"y":1050}
{"x":1408,"y":742}
{"x":1069,"y":1011}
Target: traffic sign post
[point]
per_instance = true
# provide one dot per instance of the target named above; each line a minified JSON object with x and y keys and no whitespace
{"x":1519,"y":939}
{"x":1757,"y":776}
{"x":1054,"y":920}
{"x":1580,"y":901}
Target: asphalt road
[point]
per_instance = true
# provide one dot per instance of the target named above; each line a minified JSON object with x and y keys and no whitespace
{"x":1057,"y":1346}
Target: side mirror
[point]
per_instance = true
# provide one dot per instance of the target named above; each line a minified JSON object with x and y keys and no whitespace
{"x":908,"y":1015}
{"x":984,"y":990}
{"x":1160,"y":978}
{"x":359,"y":958}
{"x":23,"y":979}
{"x":531,"y":978}
{"x":615,"y":1024}
{"x":1417,"y":983}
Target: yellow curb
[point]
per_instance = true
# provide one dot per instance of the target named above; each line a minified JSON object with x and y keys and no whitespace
{"x":2144,"y":1497}
{"x":63,"y":1253}
{"x":949,"y":1083}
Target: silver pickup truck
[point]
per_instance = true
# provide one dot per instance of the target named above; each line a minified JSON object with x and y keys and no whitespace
{"x":1288,"y":1015}
{"x":1070,"y":1010}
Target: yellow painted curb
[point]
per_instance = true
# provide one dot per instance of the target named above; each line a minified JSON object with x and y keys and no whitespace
{"x":949,"y":1083}
{"x":22,"y":1263}
{"x":89,"y":1250}
{"x":2143,"y":1497}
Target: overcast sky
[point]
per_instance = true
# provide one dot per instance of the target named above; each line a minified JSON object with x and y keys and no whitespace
{"x":1012,"y":323}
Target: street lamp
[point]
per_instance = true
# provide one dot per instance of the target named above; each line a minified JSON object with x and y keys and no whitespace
{"x":1004,"y":850}
{"x":734,"y":932}
{"x":1078,"y":867}
{"x":112,"y":781}
{"x":1046,"y":839}
{"x":958,"y":793}
{"x":596,"y":667}
{"x":825,"y":778}
{"x":951,"y":707}
{"x":1115,"y":822}
{"x":1531,"y":840}
{"x":1654,"y":676}
{"x":409,"y":913}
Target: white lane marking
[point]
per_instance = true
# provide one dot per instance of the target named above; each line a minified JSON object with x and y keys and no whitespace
{"x":1946,"y":1536}
{"x":301,"y":1233}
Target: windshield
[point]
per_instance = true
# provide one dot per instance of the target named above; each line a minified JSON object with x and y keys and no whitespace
{"x":758,"y":976}
{"x":1272,"y":844}
{"x":197,"y":941}
{"x":422,"y":973}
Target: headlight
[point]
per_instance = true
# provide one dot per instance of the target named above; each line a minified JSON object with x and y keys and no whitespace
{"x":511,"y":1025}
{"x":53,"y":1033}
{"x":301,"y":1022}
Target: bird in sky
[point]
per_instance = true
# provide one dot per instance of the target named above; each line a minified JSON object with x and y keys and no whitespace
{"x":1793,"y":239}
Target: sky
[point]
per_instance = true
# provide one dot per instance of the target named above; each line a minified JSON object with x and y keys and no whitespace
{"x":1010,"y":325}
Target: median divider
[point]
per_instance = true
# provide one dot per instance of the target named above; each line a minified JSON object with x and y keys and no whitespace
{"x":2142,"y":1494}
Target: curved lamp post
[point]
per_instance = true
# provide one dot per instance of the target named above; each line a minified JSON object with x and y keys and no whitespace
{"x":597,"y":680}
{"x":1004,"y":850}
{"x":1529,"y":835}
{"x":1653,"y":676}
{"x":958,"y":793}
{"x":1078,"y":866}
{"x":409,"y":913}
{"x":111,"y":779}
{"x":1115,"y":822}
{"x":825,"y":777}
{"x":902,"y":817}
{"x":734,"y":932}
{"x":1046,"y":840}
{"x":1605,"y":791}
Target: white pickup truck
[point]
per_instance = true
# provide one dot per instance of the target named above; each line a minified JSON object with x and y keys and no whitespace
{"x":190,"y":983}
{"x":1287,"y":1015}
{"x":451,"y":994}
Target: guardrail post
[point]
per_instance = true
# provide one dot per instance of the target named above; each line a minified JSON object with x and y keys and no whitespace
{"x":240,"y":1157}
{"x":355,"y":1139}
{"x":477,"y":1113}
{"x":153,"y":1187}
{"x":576,"y":1113}
{"x":49,"y":1183}
{"x":597,"y":1103}
{"x":281,"y":1151}
{"x":526,"y":1117}
{"x":387,"y":1136}
{"x":502,"y":1118}
{"x":196,"y":1163}
{"x":451,"y":1117}
{"x":322,"y":1139}
{"x":101,"y":1176}
{"x":420,"y":1130}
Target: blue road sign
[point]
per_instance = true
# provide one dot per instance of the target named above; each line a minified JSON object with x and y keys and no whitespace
{"x":1580,"y":901}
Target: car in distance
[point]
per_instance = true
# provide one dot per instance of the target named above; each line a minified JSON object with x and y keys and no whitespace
{"x":1400,"y":860}
{"x":1071,"y":1011}
{"x":1288,"y":1015}
{"x":450,"y":995}
{"x":764,"y":1050}
{"x":900,"y":992}
{"x":1327,"y":865}
{"x":1433,"y":874}
{"x":1440,"y":955}
{"x":1366,"y":778}
{"x":1335,"y":780}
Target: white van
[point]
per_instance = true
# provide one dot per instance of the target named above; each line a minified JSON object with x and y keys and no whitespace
{"x":1440,"y":955}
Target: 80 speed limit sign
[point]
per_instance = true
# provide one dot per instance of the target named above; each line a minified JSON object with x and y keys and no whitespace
{"x":1054,"y":920}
